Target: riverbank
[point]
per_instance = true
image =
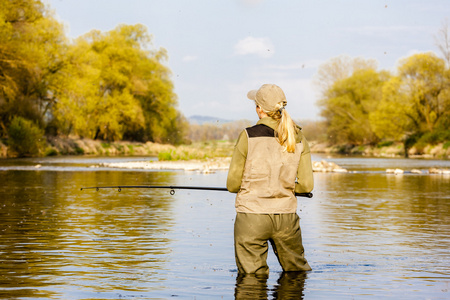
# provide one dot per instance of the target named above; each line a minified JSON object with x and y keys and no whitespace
{"x":438,"y":151}
{"x":74,"y":146}
{"x":208,"y":157}
{"x":206,"y":166}
{"x":212,"y":165}
{"x":204,"y":150}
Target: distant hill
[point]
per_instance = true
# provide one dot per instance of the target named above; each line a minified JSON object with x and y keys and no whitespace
{"x":206,"y":119}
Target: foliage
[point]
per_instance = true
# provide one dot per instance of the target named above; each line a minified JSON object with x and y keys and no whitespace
{"x":115,"y":85}
{"x":106,"y":85}
{"x":118,"y":89}
{"x":435,"y":137}
{"x":426,"y":83}
{"x":385,"y":144}
{"x":390,"y":119}
{"x":25,"y":137}
{"x":348,"y":105}
{"x":31,"y":50}
{"x":51,"y":152}
{"x":413,"y":106}
{"x":416,"y":103}
{"x":198,"y":151}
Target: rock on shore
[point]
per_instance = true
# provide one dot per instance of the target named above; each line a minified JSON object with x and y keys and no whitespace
{"x":416,"y":171}
{"x":327,"y":166}
{"x":208,"y":166}
{"x":217,"y":164}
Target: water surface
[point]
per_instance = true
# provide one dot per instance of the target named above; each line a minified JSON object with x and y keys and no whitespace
{"x":367,"y":234}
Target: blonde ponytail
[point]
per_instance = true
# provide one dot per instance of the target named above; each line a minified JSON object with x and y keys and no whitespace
{"x":286,"y":129}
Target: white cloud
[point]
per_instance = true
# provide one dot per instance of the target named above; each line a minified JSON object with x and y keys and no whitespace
{"x":262,"y":47}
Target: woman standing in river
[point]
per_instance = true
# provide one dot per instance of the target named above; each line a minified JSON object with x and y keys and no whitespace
{"x":271,"y":162}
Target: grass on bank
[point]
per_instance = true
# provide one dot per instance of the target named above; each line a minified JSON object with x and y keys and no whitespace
{"x":55,"y":146}
{"x":198,"y":151}
{"x":164,"y":152}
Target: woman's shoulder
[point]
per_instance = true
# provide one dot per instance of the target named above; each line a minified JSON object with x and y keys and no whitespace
{"x":260,"y":130}
{"x":299,"y":137}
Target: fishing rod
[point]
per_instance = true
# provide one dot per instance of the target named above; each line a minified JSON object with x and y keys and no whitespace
{"x":172,"y":188}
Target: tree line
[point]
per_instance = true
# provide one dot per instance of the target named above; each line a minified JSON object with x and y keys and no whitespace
{"x":115,"y":86}
{"x":103,"y":85}
{"x":212,"y":131}
{"x":411,"y":104}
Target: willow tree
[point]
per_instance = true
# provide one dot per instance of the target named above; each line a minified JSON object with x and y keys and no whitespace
{"x":390,"y":120}
{"x":118,"y":87}
{"x":427,"y":85}
{"x":31,"y":50}
{"x":347,"y":106}
{"x":416,"y":102}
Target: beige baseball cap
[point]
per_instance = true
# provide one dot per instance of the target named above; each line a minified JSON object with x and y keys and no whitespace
{"x":268,"y":96}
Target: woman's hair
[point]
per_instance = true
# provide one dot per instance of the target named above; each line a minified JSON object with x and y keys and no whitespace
{"x":286,"y":127}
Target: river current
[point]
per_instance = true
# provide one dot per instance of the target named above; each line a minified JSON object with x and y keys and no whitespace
{"x":367,"y":234}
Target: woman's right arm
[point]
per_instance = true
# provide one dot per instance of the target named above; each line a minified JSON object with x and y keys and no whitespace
{"x":237,"y":164}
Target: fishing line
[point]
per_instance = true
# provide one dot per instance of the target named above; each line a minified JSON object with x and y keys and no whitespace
{"x":172,"y":188}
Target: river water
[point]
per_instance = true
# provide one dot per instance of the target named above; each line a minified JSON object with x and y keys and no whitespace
{"x":367,"y":234}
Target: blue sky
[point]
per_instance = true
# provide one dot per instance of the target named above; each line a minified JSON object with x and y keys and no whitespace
{"x":220,"y":49}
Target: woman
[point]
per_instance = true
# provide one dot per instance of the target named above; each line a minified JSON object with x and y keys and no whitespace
{"x":271,"y":162}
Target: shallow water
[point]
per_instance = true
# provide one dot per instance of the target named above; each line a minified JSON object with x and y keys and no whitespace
{"x":367,"y":234}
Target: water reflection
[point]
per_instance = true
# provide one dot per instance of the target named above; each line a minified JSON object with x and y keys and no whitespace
{"x":50,"y":231}
{"x":374,"y":222}
{"x":366,"y":235}
{"x":289,"y":285}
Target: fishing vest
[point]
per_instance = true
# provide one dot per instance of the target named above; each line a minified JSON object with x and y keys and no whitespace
{"x":268,"y":181}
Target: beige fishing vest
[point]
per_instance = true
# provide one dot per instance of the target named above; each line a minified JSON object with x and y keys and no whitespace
{"x":268,"y":181}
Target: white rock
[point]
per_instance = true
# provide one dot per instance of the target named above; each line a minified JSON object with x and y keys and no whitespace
{"x":398,"y":171}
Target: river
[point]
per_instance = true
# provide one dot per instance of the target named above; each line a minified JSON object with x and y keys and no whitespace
{"x":367,"y":234}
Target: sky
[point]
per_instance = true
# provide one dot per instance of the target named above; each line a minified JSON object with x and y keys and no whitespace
{"x":220,"y":49}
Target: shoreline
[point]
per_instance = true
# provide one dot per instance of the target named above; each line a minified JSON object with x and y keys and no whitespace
{"x":439,"y":151}
{"x":220,"y":164}
{"x":75,"y":146}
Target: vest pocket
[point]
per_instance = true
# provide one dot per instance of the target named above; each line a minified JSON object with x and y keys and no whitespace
{"x":257,"y":180}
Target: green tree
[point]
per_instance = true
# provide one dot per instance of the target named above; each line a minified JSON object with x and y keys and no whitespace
{"x":416,"y":103}
{"x":426,"y":84}
{"x":118,"y":89}
{"x":31,"y":51}
{"x":390,"y":120}
{"x":25,"y":137}
{"x":108,"y":85}
{"x":348,"y":104}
